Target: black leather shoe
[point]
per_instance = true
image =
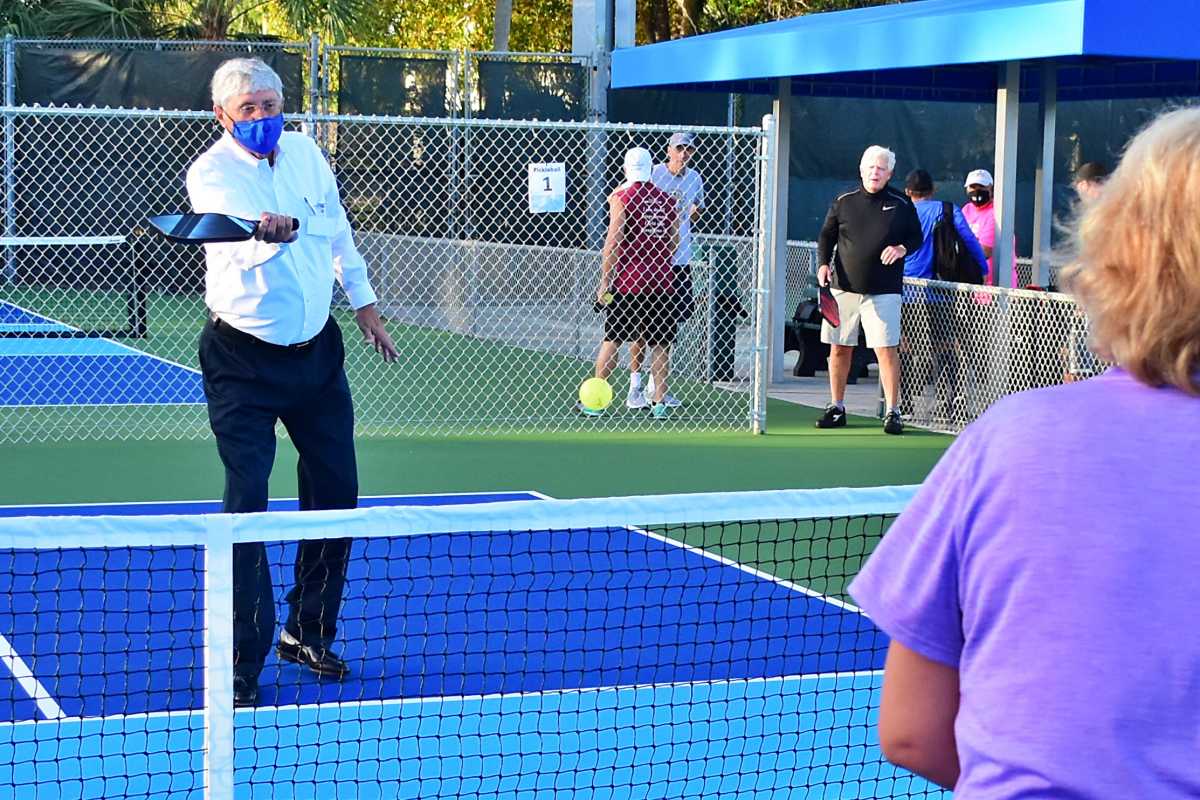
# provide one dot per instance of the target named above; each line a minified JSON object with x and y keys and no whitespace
{"x":245,"y":692}
{"x":319,"y":659}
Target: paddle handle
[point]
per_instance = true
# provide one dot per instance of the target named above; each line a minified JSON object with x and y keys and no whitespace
{"x":295,"y":227}
{"x":295,"y":224}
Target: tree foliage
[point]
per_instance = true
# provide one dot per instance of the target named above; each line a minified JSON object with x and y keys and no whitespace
{"x":660,"y":20}
{"x":537,"y":25}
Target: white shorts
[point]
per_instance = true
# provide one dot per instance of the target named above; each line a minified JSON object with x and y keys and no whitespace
{"x":879,"y":315}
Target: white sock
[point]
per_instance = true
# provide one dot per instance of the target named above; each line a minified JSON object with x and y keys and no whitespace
{"x":894,"y":410}
{"x":635,"y":380}
{"x":840,"y":405}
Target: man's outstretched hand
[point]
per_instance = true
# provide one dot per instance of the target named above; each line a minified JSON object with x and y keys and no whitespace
{"x":375,"y":334}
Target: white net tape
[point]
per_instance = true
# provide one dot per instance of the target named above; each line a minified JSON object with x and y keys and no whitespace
{"x":490,"y":304}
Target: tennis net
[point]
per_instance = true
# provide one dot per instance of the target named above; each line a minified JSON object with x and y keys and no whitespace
{"x":669,"y":646}
{"x":69,"y":287}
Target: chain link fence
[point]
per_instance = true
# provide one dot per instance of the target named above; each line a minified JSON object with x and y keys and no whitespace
{"x":317,"y":77}
{"x":962,"y":347}
{"x":490,"y":303}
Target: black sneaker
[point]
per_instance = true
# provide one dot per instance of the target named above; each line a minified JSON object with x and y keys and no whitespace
{"x":833,"y":417}
{"x":892,"y":423}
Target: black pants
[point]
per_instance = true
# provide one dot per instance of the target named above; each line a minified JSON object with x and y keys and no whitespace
{"x":249,"y":385}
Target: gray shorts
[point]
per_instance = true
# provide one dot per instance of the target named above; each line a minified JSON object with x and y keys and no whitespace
{"x":878,"y":314}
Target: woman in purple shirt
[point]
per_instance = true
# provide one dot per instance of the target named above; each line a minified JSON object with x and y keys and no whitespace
{"x":1041,"y":590}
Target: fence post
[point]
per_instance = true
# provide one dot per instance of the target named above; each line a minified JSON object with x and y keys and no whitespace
{"x":326,"y":71}
{"x":10,"y":153}
{"x":314,"y":73}
{"x":466,"y":84}
{"x":314,"y":86}
{"x":764,"y":277}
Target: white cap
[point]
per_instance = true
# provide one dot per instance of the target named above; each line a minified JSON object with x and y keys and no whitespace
{"x":979,"y":176}
{"x":638,"y":164}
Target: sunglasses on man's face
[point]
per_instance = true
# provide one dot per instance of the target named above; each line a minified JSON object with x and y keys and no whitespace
{"x":682,"y":148}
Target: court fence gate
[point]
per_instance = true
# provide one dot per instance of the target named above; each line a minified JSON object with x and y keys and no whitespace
{"x":487,"y":281}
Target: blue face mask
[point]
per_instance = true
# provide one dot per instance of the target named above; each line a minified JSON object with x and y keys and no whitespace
{"x":259,"y":136}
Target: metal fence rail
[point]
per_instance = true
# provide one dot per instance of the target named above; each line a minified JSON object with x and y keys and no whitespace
{"x":491,"y":304}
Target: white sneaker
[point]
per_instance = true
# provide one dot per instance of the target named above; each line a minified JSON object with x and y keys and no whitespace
{"x":669,"y":400}
{"x":635,"y":399}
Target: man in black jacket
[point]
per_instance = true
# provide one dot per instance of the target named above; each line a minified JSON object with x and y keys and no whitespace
{"x":873,"y":227}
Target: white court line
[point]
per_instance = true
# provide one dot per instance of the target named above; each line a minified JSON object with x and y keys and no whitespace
{"x":758,"y":573}
{"x":29,"y":682}
{"x":469,"y":698}
{"x":728,"y":562}
{"x":116,"y":342}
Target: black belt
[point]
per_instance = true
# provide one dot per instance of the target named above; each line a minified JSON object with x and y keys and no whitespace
{"x":228,"y":331}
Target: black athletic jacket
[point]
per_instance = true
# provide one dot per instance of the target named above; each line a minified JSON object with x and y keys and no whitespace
{"x":862,"y":224}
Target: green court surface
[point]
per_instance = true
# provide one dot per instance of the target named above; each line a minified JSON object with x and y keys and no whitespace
{"x":792,"y":454}
{"x":562,"y":464}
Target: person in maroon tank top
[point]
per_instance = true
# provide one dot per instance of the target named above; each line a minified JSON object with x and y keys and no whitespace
{"x":635,"y":268}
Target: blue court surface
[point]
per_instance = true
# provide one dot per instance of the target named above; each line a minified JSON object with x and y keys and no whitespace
{"x":547,"y":664}
{"x":83,"y":372}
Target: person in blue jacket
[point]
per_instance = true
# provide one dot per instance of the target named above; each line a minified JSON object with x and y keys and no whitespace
{"x":930,"y":347}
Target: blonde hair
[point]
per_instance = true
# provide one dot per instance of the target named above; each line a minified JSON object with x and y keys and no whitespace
{"x":1136,"y":265}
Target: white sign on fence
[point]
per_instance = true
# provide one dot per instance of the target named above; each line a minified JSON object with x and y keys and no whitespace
{"x":547,"y":188}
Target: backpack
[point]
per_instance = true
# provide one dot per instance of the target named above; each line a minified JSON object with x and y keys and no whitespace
{"x":952,"y":261}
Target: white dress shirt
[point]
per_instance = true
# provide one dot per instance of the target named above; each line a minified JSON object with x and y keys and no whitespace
{"x":688,"y":190}
{"x":280,"y":293}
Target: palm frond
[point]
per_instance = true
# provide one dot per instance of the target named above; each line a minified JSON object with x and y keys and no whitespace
{"x":105,"y":19}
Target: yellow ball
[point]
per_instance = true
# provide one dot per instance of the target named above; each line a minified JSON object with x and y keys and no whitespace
{"x":595,"y":394}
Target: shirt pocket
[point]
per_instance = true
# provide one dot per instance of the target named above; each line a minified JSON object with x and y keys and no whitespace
{"x":318,"y":221}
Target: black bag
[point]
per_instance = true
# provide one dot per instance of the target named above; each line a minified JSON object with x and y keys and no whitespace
{"x":952,"y":261}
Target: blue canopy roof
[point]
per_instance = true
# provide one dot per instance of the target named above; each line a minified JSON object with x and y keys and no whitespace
{"x":938,"y":50}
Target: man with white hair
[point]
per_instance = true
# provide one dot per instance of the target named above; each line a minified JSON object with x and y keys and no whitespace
{"x":873,"y":228}
{"x":637,"y":284}
{"x":270,"y":351}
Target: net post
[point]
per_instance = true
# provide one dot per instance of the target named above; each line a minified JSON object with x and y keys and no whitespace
{"x":763,"y":276}
{"x":218,"y":658}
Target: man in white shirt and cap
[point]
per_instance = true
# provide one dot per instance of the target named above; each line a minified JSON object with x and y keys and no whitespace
{"x":683,"y":183}
{"x":270,"y":351}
